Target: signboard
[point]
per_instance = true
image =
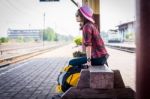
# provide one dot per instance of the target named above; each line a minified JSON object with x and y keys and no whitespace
{"x":48,"y":0}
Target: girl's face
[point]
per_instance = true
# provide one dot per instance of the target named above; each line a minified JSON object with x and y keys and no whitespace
{"x":78,"y":17}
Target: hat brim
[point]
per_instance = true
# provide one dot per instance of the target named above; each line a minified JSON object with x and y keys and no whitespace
{"x":87,"y":17}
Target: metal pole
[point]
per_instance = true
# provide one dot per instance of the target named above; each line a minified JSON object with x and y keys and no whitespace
{"x":143,"y":49}
{"x":43,"y":28}
{"x":74,"y":3}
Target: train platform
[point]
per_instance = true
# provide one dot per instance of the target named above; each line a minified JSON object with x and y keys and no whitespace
{"x":125,"y":46}
{"x":36,"y":78}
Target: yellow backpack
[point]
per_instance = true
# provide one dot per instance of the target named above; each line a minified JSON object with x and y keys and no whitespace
{"x":68,"y":77}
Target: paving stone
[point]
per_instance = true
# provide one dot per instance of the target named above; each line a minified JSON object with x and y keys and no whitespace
{"x":37,"y":78}
{"x":3,"y":97}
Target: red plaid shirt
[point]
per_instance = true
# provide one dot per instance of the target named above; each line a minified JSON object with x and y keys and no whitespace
{"x":91,"y":37}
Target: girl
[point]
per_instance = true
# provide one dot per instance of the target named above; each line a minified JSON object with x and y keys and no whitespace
{"x":96,"y":53}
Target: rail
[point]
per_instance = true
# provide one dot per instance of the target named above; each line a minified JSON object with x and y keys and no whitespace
{"x":129,"y":49}
{"x":3,"y":50}
{"x":19,"y":57}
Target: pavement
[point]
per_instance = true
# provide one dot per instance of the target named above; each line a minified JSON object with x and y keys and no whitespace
{"x":125,"y":63}
{"x":36,"y":78}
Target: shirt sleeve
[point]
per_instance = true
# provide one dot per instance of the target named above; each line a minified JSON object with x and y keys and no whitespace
{"x":87,"y":35}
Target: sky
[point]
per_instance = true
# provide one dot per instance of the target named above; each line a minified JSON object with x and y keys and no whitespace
{"x":29,"y":14}
{"x":115,"y":12}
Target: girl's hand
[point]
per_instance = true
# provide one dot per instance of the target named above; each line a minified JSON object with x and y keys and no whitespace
{"x":88,"y":64}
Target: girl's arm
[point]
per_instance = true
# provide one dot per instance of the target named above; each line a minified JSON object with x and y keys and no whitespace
{"x":88,"y":54}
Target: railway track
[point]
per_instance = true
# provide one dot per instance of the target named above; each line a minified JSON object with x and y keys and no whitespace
{"x":10,"y":59}
{"x":122,"y":48}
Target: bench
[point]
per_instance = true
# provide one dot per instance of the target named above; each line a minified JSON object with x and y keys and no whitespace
{"x":99,"y":82}
{"x":101,"y":77}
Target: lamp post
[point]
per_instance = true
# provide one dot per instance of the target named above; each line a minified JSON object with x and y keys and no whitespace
{"x":43,"y":28}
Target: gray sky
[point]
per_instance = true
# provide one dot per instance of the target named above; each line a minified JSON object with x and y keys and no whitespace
{"x":23,"y":14}
{"x":115,"y":12}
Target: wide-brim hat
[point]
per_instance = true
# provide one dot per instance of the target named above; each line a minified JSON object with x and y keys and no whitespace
{"x":87,"y":12}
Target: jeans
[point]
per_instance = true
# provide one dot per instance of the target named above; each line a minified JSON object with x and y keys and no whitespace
{"x":94,"y":61}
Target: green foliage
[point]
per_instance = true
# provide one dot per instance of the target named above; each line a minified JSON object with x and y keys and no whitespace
{"x":51,"y":35}
{"x":20,"y":39}
{"x":78,"y":40}
{"x":129,"y":36}
{"x":3,"y":40}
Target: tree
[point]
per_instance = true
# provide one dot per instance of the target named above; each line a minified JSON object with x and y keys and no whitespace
{"x":3,"y":40}
{"x":49,"y":35}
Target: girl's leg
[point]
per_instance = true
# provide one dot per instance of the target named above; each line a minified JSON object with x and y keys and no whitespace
{"x":78,"y":61}
{"x":99,"y":61}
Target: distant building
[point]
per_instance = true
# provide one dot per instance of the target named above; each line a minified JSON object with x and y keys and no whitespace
{"x":113,"y":36}
{"x":34,"y":34}
{"x":127,"y":30}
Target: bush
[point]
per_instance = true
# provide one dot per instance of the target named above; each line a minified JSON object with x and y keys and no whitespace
{"x":20,"y":39}
{"x":3,"y":40}
{"x":129,"y":36}
{"x":78,"y":41}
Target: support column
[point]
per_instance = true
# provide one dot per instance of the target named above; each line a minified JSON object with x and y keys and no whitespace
{"x":95,"y":5}
{"x":143,"y":49}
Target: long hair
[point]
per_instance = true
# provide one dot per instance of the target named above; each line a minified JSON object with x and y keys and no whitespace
{"x":84,"y":20}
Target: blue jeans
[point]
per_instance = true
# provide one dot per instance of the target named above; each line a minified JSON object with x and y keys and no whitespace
{"x":83,"y":60}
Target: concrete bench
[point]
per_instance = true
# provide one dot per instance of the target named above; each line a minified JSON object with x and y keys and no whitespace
{"x":96,"y":77}
{"x":99,"y":82}
{"x":101,"y":77}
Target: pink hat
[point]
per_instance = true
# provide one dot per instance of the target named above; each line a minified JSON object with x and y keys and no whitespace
{"x":87,"y":12}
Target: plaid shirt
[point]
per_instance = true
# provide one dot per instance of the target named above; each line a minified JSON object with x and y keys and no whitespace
{"x":91,"y":37}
